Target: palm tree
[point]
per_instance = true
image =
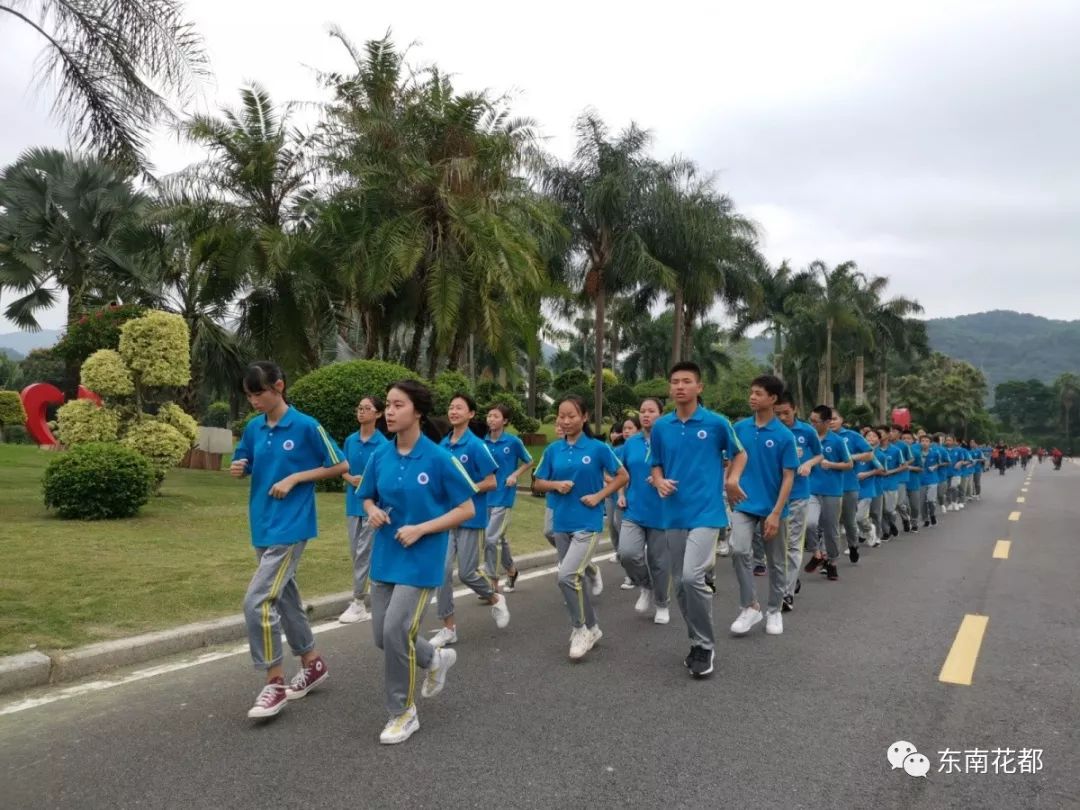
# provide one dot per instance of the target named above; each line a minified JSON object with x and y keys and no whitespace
{"x":832,"y":304}
{"x":603,"y":190}
{"x":64,"y":227}
{"x":777,"y":288}
{"x":882,"y":326}
{"x":111,"y":63}
{"x":1067,"y":387}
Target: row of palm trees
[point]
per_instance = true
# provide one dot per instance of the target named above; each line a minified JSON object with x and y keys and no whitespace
{"x":424,"y":225}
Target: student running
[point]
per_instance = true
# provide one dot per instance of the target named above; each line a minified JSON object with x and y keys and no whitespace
{"x":513,"y":459}
{"x":285,"y":452}
{"x":827,"y":494}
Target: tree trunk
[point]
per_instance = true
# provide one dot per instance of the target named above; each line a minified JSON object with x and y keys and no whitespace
{"x":530,"y":401}
{"x":457,"y":351}
{"x":371,"y":339}
{"x":799,"y":393}
{"x":71,"y":367}
{"x":598,"y":335}
{"x":883,"y":395}
{"x":688,"y":334}
{"x":412,"y":357}
{"x":677,"y":330}
{"x":860,"y":379}
{"x":828,"y":365}
{"x":433,"y":358}
{"x":778,"y":353}
{"x":822,"y":383}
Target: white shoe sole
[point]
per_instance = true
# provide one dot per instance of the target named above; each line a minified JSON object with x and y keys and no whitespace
{"x":501,"y":615}
{"x":437,"y":684}
{"x":662,"y":619}
{"x":262,"y":714}
{"x":407,"y":732}
{"x":738,"y":632}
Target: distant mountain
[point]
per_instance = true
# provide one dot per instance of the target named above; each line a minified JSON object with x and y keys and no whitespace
{"x":11,"y":354}
{"x":24,"y":342}
{"x":1005,"y":345}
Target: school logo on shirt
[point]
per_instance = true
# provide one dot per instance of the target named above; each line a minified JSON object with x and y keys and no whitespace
{"x":422,"y":479}
{"x":464,"y":458}
{"x":703,"y":434}
{"x":586,"y":459}
{"x":828,"y":450}
{"x":506,"y":450}
{"x":288,"y":444}
{"x":770,"y":443}
{"x":802,"y":440}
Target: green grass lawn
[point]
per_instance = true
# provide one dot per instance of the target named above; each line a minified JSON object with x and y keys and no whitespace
{"x":187,"y":556}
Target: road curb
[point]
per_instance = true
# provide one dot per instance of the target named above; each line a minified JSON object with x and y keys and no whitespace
{"x":27,"y":670}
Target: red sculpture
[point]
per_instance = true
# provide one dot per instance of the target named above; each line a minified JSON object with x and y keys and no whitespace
{"x":36,"y":398}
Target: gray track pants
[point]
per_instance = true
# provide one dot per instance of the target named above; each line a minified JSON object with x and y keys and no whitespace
{"x":862,"y":519}
{"x":360,"y":536}
{"x":272,"y":604}
{"x":797,"y":514}
{"x":890,"y":498}
{"x":743,"y":528}
{"x":943,"y":494}
{"x":396,"y":613}
{"x":497,"y":556}
{"x":902,"y":504}
{"x":823,"y":525}
{"x":693,"y":552}
{"x":849,"y":510}
{"x":876,"y":505}
{"x":614,"y":522}
{"x":930,"y":500}
{"x":914,"y":494}
{"x":977,"y":480}
{"x":645,"y":557}
{"x":575,"y":552}
{"x":466,"y":545}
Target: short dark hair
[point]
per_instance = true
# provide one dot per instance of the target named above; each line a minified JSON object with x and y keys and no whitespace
{"x":502,"y":408}
{"x":686,"y":365}
{"x":659,"y":405}
{"x":787,"y":398}
{"x":582,"y":408}
{"x":468,"y":400}
{"x":261,"y":376}
{"x":824,"y":412}
{"x":773,"y":386}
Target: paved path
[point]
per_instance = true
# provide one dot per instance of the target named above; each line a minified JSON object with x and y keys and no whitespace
{"x":800,"y":720}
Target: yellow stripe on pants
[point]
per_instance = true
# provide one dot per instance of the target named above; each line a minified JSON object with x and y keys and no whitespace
{"x":579,"y":584}
{"x":275,"y":587}
{"x":425,"y":595}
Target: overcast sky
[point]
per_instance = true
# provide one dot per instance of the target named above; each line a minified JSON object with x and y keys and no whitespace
{"x":935,"y":143}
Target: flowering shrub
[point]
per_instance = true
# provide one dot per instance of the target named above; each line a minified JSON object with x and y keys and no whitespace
{"x":95,"y":330}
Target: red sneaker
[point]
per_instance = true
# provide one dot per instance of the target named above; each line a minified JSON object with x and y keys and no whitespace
{"x":307,"y":679}
{"x":270,"y":702}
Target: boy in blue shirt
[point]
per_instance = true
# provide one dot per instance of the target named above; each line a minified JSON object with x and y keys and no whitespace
{"x":285,"y":452}
{"x":914,"y":484}
{"x":808,"y":451}
{"x":513,"y":459}
{"x":827,"y":493}
{"x":688,"y":448}
{"x":859,"y":450}
{"x":765,"y":484}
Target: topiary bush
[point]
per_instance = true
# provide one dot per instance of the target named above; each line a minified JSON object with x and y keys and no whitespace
{"x":172,"y":414}
{"x":656,"y":387}
{"x":159,"y":443}
{"x":98,"y":481}
{"x":610,"y":379}
{"x":12,"y":413}
{"x":217,"y":415}
{"x":105,"y":374}
{"x":620,"y":398}
{"x":446,"y":385}
{"x":570,"y":379}
{"x":237,"y":426}
{"x":17,"y":434}
{"x":330,"y":393}
{"x":520,"y":421}
{"x":81,"y":421}
{"x":156,"y":349}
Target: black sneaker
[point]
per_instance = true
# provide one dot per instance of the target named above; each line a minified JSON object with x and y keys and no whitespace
{"x":862,"y":539}
{"x":689,"y":658}
{"x":798,"y":585}
{"x":933,"y":520}
{"x":895,"y":531}
{"x":701,"y":665}
{"x":511,"y":579}
{"x":812,"y":566}
{"x":914,"y":528}
{"x":853,"y":555}
{"x":789,"y":603}
{"x":907,"y":526}
{"x":710,"y":583}
{"x":831,"y":573}
{"x":926,"y":524}
{"x":759,"y":571}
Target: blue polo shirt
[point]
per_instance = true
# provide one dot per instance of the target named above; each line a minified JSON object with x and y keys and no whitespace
{"x":807,"y":445}
{"x":770,"y":450}
{"x":967,"y":470}
{"x":830,"y":483}
{"x":297,"y":443}
{"x":868,"y":487}
{"x":894,"y":457}
{"x":692,"y":453}
{"x":474,"y":456}
{"x":879,"y":480}
{"x":358,"y":453}
{"x":855,"y":444}
{"x":423,"y":485}
{"x":931,"y":458}
{"x":584,"y":462}
{"x":643,"y":504}
{"x":509,"y":453}
{"x":915,"y":457}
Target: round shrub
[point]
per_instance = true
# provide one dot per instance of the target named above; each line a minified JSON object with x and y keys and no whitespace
{"x":217,"y":415}
{"x":237,"y":426}
{"x":11,"y":409}
{"x":159,"y":443}
{"x":610,"y":379}
{"x":656,"y":387}
{"x":330,"y":393}
{"x":446,"y":385}
{"x":520,"y":421}
{"x":16,"y":434}
{"x":619,"y":398}
{"x":81,"y":420}
{"x":105,"y":374}
{"x":172,"y":414}
{"x":98,"y":481}
{"x":156,"y":349}
{"x":570,"y":379}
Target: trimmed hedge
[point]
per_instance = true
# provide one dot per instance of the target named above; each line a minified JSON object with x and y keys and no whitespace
{"x":330,"y":394}
{"x":11,"y":409}
{"x":217,"y":415}
{"x":98,"y":481}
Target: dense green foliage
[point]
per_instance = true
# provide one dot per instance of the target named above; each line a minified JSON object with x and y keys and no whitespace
{"x":98,"y":481}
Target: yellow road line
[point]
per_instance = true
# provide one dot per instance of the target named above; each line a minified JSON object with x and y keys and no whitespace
{"x":1001,"y":549}
{"x":960,"y":664}
{"x":1014,"y":516}
{"x":1021,"y":499}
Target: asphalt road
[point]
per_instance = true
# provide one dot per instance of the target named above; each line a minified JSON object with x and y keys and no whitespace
{"x":799,"y":720}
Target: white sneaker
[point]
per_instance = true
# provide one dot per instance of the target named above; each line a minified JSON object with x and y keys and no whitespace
{"x":400,"y":728}
{"x":597,"y":583}
{"x":579,"y":642}
{"x":774,"y":625}
{"x":436,"y":674}
{"x":595,"y":634}
{"x":663,"y":616}
{"x":446,"y":636}
{"x":644,"y":601}
{"x":500,"y":611}
{"x":748,"y":618}
{"x":627,"y":585}
{"x":724,"y":548}
{"x":355,"y":612}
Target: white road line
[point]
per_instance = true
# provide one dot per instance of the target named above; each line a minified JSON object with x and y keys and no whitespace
{"x":65,"y":693}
